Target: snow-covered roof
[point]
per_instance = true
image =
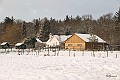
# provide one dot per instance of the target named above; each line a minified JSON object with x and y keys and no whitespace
{"x":53,"y":41}
{"x":38,"y":40}
{"x":49,"y":40}
{"x":4,"y":43}
{"x":62,"y":38}
{"x":86,"y":37}
{"x":19,"y":44}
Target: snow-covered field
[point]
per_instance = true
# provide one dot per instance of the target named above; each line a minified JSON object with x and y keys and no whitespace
{"x":77,"y":66}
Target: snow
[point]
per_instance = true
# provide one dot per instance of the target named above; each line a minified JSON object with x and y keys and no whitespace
{"x":77,"y":66}
{"x":38,"y":40}
{"x":62,"y":38}
{"x":86,"y":37}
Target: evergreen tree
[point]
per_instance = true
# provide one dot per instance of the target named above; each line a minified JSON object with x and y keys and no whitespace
{"x":44,"y":30}
{"x":24,"y":32}
{"x":8,"y":20}
{"x":30,"y":42}
{"x":68,"y":32}
{"x":67,"y":19}
{"x":36,"y":26}
{"x":117,"y":16}
{"x":117,"y":28}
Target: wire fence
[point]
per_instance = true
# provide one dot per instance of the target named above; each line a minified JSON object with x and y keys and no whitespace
{"x":61,"y":52}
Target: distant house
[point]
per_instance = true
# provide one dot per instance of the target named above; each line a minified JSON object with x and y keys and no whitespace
{"x":84,"y":42}
{"x":20,"y":46}
{"x":30,"y":43}
{"x":5,"y":45}
{"x":56,"y":40}
{"x":53,"y":41}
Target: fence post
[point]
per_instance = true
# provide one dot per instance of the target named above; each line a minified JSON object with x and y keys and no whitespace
{"x":116,"y":55}
{"x":28,"y":50}
{"x":93,"y":54}
{"x":83,"y":53}
{"x":74,"y":54}
{"x":107,"y":53}
{"x":58,"y":51}
{"x":69,"y":52}
{"x":20,"y":51}
{"x":100,"y":54}
{"x":5,"y":51}
{"x":48,"y":50}
{"x":38,"y":50}
{"x":23,"y":51}
{"x":11,"y":49}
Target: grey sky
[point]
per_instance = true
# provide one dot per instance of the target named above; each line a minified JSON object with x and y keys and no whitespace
{"x":32,"y":9}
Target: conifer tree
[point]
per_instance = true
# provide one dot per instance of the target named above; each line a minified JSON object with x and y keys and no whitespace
{"x":36,"y":26}
{"x":24,"y":32}
{"x":117,"y":16}
{"x":44,"y":30}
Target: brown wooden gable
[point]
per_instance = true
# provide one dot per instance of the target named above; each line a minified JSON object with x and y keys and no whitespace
{"x":74,"y":39}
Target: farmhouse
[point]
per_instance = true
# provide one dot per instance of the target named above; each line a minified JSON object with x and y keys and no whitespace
{"x":56,"y":40}
{"x":84,"y":42}
{"x":29,"y":43}
{"x":53,"y":41}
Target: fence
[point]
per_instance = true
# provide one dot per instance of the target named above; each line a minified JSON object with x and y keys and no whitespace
{"x":58,"y":52}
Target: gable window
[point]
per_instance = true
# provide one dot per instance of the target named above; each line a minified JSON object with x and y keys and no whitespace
{"x":69,"y":44}
{"x":79,"y":45}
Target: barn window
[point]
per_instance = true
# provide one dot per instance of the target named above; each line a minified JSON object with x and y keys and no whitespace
{"x":69,"y":44}
{"x":79,"y":44}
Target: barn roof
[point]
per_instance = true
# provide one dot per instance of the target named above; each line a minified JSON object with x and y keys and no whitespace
{"x":86,"y":37}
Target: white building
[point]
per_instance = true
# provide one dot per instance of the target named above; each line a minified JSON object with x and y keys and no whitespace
{"x":55,"y":40}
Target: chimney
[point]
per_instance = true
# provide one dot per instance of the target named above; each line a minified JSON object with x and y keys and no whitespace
{"x":50,"y":36}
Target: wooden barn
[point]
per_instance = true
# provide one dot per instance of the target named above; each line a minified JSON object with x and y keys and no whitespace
{"x":84,"y":42}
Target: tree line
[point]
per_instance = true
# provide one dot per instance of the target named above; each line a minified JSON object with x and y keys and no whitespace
{"x":106,"y":26}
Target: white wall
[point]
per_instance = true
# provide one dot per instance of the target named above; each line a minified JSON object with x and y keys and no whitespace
{"x":53,"y":42}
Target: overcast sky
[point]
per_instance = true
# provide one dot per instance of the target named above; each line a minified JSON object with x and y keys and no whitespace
{"x":34,"y":9}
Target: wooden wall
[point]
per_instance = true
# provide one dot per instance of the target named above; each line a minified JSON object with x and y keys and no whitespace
{"x":95,"y":46}
{"x":75,"y":43}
